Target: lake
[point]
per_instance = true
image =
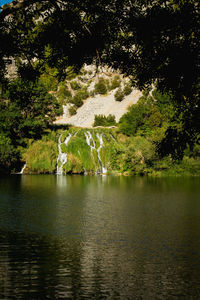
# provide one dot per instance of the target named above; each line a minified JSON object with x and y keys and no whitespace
{"x":99,"y":237}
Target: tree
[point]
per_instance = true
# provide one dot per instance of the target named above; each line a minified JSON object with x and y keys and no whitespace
{"x":8,"y":154}
{"x":153,"y":41}
{"x":160,"y":44}
{"x":60,"y":33}
{"x":26,"y":110}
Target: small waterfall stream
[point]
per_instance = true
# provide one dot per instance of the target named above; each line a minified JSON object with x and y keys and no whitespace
{"x":100,"y":137}
{"x":62,"y":157}
{"x":23,"y":168}
{"x":91,"y":143}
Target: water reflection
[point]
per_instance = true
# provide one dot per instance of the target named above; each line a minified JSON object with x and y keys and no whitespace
{"x":81,"y":237}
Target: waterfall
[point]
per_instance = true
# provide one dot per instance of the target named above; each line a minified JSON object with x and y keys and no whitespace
{"x":91,"y":143}
{"x":100,"y":138}
{"x":67,"y":139}
{"x":112,"y":137}
{"x":23,"y":168}
{"x":62,"y":157}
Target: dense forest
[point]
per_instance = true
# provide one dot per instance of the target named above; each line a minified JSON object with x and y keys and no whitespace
{"x":155,"y":43}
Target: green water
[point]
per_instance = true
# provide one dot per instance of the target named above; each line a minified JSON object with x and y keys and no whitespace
{"x":82,"y":237}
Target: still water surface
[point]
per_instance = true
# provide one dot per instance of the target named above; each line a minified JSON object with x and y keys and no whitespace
{"x":81,"y":237}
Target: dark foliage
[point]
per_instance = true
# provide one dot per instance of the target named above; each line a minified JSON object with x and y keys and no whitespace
{"x":26,"y":110}
{"x":154,"y":41}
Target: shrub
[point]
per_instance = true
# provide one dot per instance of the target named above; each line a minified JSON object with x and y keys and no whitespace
{"x":72,"y":110}
{"x":8,"y":154}
{"x":101,"y":120}
{"x":63,"y":93}
{"x":100,"y":87}
{"x":77,"y":101}
{"x":79,"y":97}
{"x":196,"y":150}
{"x":155,"y":118}
{"x":138,"y":156}
{"x":75,"y":85}
{"x":119,"y":95}
{"x":49,"y":81}
{"x":115,"y":82}
{"x":70,"y":73}
{"x":59,"y":111}
{"x":127,"y":89}
{"x":132,"y":120}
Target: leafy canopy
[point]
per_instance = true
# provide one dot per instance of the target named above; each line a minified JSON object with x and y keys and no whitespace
{"x":156,"y":42}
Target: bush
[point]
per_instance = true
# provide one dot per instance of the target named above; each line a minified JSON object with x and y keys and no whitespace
{"x":138,"y":156}
{"x":196,"y":150}
{"x":115,"y":82}
{"x":77,"y":100}
{"x":119,"y":95}
{"x":100,"y":87}
{"x":8,"y":154}
{"x":72,"y":110}
{"x":127,"y":89}
{"x":101,"y":120}
{"x":142,"y":117}
{"x":79,"y":97}
{"x":75,"y":85}
{"x":132,"y":120}
{"x":63,"y":93}
{"x":49,"y":82}
{"x":155,"y":118}
{"x":70,"y":73}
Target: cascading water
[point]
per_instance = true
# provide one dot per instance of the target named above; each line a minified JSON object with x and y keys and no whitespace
{"x":23,"y":168}
{"x":91,"y":143}
{"x":112,"y":137}
{"x":100,"y":138}
{"x":67,"y":139}
{"x":62,"y":157}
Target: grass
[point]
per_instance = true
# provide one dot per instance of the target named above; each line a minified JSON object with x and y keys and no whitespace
{"x":41,"y":157}
{"x":120,"y":154}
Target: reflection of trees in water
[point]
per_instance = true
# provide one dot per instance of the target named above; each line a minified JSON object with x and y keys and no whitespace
{"x":99,"y":237}
{"x":34,"y":267}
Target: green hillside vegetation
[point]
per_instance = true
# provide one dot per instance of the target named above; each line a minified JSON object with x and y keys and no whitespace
{"x":132,"y":148}
{"x":101,"y":120}
{"x":41,"y":157}
{"x":152,"y":44}
{"x":100,"y":87}
{"x":135,"y":155}
{"x":119,"y":95}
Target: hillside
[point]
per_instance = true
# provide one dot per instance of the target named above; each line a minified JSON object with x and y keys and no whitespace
{"x":99,"y":105}
{"x":98,"y":102}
